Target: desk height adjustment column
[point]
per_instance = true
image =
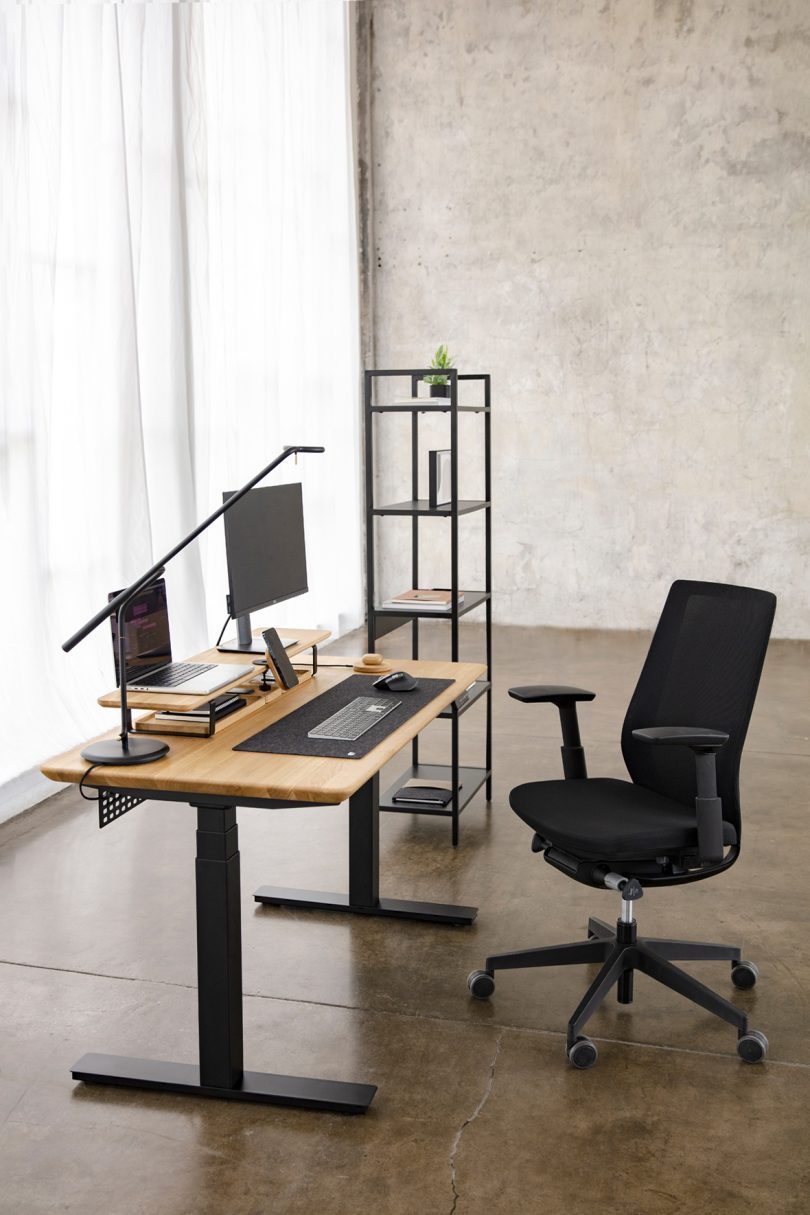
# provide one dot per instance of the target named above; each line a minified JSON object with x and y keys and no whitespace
{"x":364,"y":846}
{"x":219,"y":947}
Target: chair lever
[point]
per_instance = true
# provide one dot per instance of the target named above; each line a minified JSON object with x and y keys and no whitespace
{"x":629,"y":888}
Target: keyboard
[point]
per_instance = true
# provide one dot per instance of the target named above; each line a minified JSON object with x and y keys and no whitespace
{"x":349,"y":723}
{"x":171,"y":675}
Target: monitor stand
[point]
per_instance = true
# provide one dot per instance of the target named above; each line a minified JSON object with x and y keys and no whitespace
{"x":245,"y":643}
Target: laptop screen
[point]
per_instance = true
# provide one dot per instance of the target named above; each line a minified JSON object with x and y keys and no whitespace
{"x":148,"y":643}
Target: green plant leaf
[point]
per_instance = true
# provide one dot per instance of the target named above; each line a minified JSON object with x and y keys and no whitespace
{"x":442,"y":359}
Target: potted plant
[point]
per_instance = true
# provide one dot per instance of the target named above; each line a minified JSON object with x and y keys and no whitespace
{"x":440,"y":384}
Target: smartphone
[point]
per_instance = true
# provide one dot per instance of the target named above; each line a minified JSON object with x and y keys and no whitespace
{"x":278,"y":656}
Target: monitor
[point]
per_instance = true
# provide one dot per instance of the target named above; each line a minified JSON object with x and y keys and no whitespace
{"x":266,"y":554}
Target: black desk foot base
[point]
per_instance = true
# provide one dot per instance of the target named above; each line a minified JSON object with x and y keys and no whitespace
{"x":335,"y":1095}
{"x":322,"y":900}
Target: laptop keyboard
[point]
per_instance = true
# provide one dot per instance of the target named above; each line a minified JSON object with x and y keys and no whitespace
{"x":172,"y":675}
{"x":349,"y":723}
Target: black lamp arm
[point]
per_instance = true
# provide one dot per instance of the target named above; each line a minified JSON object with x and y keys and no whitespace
{"x":113,"y":606}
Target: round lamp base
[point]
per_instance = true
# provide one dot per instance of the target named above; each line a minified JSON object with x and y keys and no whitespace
{"x":138,"y":751}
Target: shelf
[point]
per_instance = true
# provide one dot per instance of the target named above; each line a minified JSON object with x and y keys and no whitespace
{"x":410,"y":398}
{"x":472,"y":599}
{"x":427,"y":405}
{"x":472,"y":779}
{"x":479,"y":688}
{"x":200,"y":727}
{"x":420,"y":506}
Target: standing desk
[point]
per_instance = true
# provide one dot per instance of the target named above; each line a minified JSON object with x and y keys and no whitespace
{"x":209,"y":775}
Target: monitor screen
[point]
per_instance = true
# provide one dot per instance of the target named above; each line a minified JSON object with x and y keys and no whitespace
{"x":148,"y":642}
{"x":264,"y":541}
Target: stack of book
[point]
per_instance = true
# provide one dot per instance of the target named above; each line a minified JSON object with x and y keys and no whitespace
{"x":426,"y":600}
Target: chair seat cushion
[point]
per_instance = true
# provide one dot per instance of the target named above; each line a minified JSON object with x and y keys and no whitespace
{"x":601,"y":818}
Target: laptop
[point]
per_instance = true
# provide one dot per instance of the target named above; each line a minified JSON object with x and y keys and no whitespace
{"x":149,"y":651}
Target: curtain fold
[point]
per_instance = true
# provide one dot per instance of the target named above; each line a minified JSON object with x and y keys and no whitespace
{"x":179,"y":299}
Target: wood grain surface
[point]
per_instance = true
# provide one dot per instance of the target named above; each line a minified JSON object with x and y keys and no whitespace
{"x":210,"y":766}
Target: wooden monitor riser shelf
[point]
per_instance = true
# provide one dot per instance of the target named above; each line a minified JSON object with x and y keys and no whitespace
{"x":200,"y":727}
{"x":307,"y":638}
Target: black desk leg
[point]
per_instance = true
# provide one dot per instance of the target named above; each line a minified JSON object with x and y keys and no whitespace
{"x":219,"y":948}
{"x":364,"y":846}
{"x":219,"y":1001}
{"x":364,"y":875}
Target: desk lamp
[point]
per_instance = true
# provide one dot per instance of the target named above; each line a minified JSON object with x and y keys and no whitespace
{"x":129,"y":748}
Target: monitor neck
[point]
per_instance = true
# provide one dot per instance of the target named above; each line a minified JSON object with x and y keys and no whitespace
{"x":244,"y":635}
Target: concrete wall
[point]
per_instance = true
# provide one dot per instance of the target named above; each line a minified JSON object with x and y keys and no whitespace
{"x":605,"y":205}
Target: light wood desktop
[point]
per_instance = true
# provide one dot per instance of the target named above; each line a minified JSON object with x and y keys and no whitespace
{"x":210,"y":766}
{"x":208,"y":774}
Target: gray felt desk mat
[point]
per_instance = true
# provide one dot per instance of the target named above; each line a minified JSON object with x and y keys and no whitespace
{"x":288,"y":736}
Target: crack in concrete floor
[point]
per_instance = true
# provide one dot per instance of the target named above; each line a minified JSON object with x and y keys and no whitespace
{"x":472,"y":1118}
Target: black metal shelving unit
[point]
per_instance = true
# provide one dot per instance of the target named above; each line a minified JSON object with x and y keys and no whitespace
{"x":466,"y":781}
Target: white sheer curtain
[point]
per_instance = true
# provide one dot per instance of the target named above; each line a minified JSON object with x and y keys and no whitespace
{"x":178,"y":300}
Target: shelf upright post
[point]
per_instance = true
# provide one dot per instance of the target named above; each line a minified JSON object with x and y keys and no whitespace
{"x":454,"y":513}
{"x":488,"y":573}
{"x":415,"y":539}
{"x":454,"y":586}
{"x":369,"y":479}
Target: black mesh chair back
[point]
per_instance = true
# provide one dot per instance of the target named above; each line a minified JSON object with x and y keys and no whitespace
{"x":702,"y":669}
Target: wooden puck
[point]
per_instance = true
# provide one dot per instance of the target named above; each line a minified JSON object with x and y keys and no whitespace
{"x":372,"y":664}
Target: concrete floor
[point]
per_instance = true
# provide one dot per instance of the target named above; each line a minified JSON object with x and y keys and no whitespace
{"x":477,"y":1110}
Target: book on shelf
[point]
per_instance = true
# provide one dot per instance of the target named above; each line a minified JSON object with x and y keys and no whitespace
{"x":433,"y":599}
{"x":422,"y":402}
{"x":223,"y":706}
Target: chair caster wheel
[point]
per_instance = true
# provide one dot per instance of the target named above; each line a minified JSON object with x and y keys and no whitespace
{"x":481,"y":984}
{"x":752,"y":1047}
{"x":744,"y":974}
{"x":583,"y":1053}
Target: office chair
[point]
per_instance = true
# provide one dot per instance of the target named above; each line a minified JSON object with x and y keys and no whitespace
{"x":676,"y":820}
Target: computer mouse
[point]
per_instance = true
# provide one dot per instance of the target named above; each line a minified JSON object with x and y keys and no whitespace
{"x":397,"y":681}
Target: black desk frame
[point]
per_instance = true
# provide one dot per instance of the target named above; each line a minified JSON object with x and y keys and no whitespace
{"x":220,"y":1072}
{"x":364,"y":875}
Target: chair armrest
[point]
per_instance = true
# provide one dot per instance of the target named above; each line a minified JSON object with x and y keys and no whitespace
{"x":708,"y":806}
{"x":685,"y":736}
{"x":550,"y":694}
{"x":573,"y":755}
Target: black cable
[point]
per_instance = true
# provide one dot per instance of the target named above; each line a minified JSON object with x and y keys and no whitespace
{"x":81,"y":783}
{"x":224,"y":627}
